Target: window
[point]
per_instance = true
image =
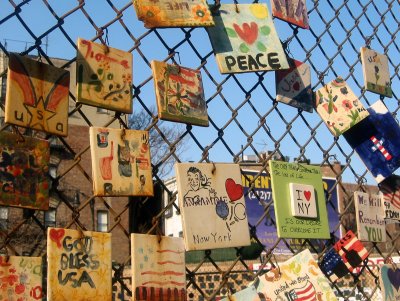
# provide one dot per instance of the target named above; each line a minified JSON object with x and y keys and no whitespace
{"x":50,"y":218}
{"x":169,"y":212}
{"x":102,"y":221}
{"x":3,"y":218}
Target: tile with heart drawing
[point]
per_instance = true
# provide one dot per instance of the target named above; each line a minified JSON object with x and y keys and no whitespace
{"x":302,"y":199}
{"x":309,"y":179}
{"x":246,"y":41}
{"x":78,"y":265}
{"x":293,"y":86}
{"x":389,"y":278}
{"x":212,"y":205}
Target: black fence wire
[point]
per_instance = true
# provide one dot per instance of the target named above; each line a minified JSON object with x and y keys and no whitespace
{"x":247,"y":126}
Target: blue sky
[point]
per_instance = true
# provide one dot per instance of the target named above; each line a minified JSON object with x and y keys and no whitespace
{"x":39,"y":20}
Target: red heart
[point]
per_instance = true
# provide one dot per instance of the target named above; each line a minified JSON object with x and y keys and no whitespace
{"x":249,"y":33}
{"x":296,"y":86}
{"x":56,"y":235}
{"x":307,"y":194}
{"x":234,"y":191}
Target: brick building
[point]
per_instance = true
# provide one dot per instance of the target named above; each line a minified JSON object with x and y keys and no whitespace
{"x":71,"y":201}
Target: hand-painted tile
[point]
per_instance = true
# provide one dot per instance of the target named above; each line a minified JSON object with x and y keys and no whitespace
{"x":212,"y":192}
{"x":177,"y":13}
{"x":376,"y":72}
{"x":298,"y":278}
{"x":158,"y":268}
{"x":244,"y":39}
{"x":24,"y":164}
{"x":291,"y":11}
{"x":179,"y":93}
{"x":37,"y":95}
{"x":332,"y":265}
{"x":21,"y":278}
{"x":391,"y":198}
{"x":376,"y":140}
{"x":293,"y":86}
{"x":339,"y":107}
{"x":289,"y":226}
{"x":78,"y":265}
{"x":371,"y":224}
{"x":104,"y":76}
{"x":303,"y":202}
{"x":389,"y":279}
{"x":121,"y":163}
{"x":351,"y":250}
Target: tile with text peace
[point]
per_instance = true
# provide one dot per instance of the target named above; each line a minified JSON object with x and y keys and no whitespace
{"x":244,"y":39}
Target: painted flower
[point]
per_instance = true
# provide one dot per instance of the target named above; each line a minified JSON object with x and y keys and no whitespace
{"x":201,"y":13}
{"x":346,"y":104}
{"x":344,"y":91}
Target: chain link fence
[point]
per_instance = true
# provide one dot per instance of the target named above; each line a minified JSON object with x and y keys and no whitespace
{"x":245,"y":119}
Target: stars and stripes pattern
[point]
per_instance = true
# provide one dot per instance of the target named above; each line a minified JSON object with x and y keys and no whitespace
{"x":305,"y":293}
{"x":393,"y":197}
{"x":378,"y":145}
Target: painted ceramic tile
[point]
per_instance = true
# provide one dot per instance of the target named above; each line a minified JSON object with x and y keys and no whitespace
{"x":291,"y":11}
{"x":391,"y":200}
{"x":339,"y":107}
{"x":216,"y":197}
{"x":248,"y":294}
{"x":178,"y":13}
{"x":351,"y":250}
{"x":104,"y":76}
{"x":179,"y":93}
{"x":158,"y":268}
{"x":293,"y":86}
{"x":371,"y":224}
{"x":289,"y":226}
{"x":246,"y":41}
{"x":37,"y":95}
{"x":298,"y":278}
{"x":389,"y":278}
{"x":303,"y":202}
{"x":121,"y":163}
{"x":78,"y":265}
{"x":376,"y":140}
{"x":21,"y":278}
{"x":376,"y":72}
{"x":24,"y":166}
{"x":332,"y":265}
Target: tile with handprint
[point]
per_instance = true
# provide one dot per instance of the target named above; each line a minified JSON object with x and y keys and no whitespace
{"x":376,"y":72}
{"x":104,"y":76}
{"x":121,"y":163}
{"x":291,"y":11}
{"x":244,"y":39}
{"x":339,"y":107}
{"x":177,"y":13}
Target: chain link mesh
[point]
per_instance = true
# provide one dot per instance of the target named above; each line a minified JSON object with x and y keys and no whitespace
{"x":244,"y":119}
